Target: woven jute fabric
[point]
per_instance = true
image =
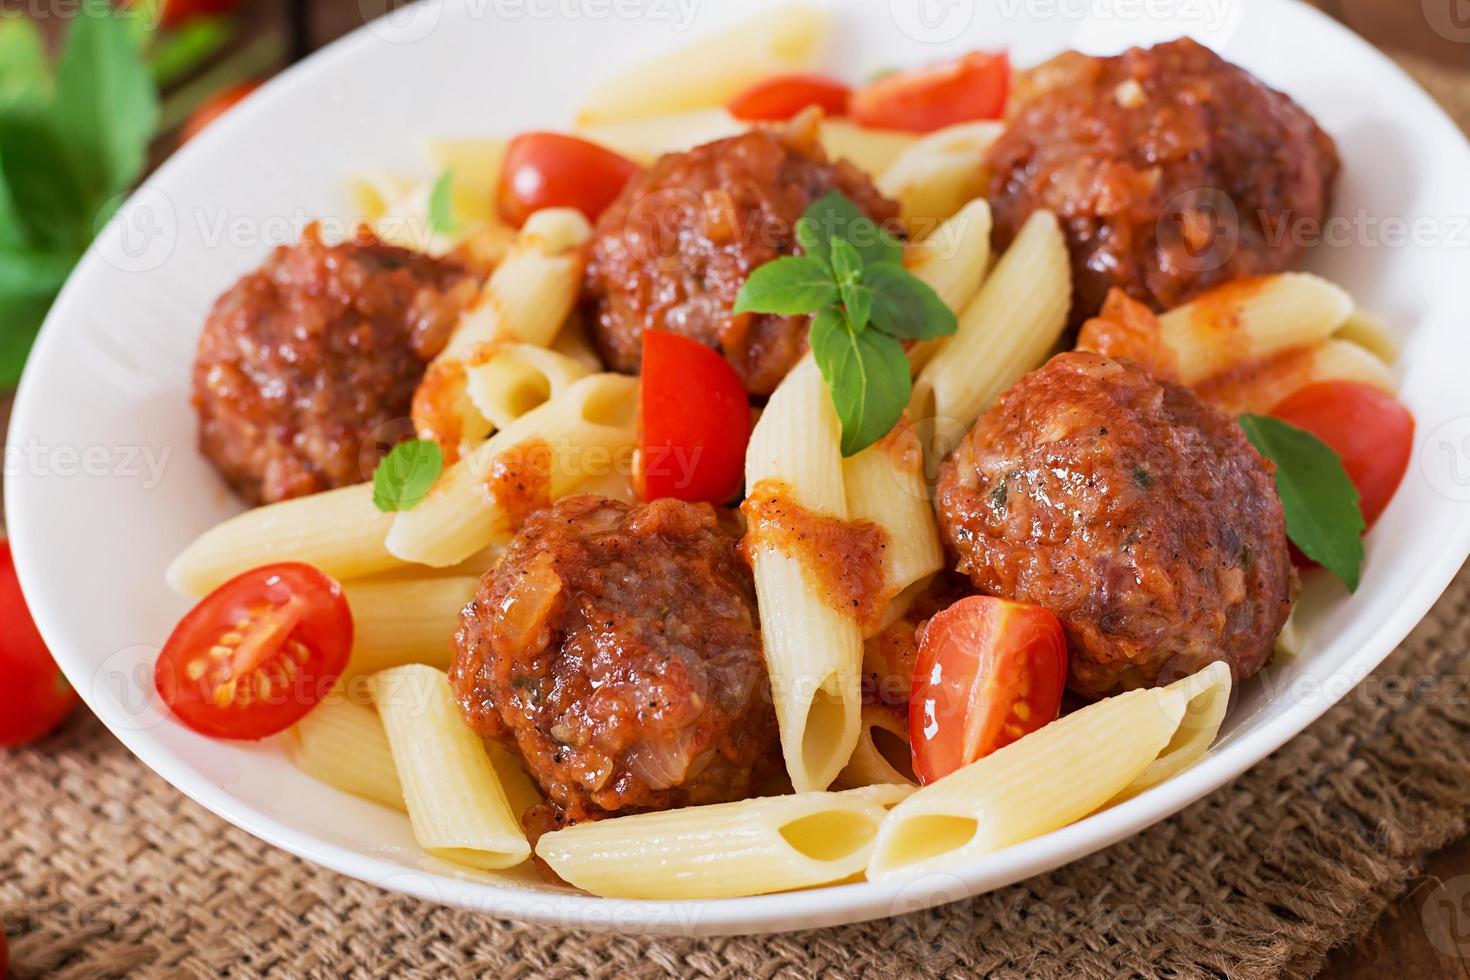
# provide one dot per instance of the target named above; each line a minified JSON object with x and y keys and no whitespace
{"x":106,"y":870}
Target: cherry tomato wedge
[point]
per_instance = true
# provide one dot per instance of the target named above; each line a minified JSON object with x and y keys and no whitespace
{"x":988,"y":671}
{"x":1369,"y":428}
{"x":552,"y":170}
{"x":778,"y":99}
{"x":257,"y":653}
{"x":693,"y":422}
{"x":929,"y":98}
{"x":34,"y":697}
{"x":214,"y":107}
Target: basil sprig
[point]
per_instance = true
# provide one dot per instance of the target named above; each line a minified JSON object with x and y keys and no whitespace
{"x":441,"y":204}
{"x":406,"y":474}
{"x":1323,"y":518}
{"x":863,"y":302}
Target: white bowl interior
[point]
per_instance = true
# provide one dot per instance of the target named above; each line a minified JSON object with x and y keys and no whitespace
{"x":104,"y":485}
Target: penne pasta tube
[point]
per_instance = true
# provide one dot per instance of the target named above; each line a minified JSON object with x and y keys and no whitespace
{"x":1371,"y":332}
{"x":813,"y":649}
{"x":713,"y":70}
{"x":939,"y":174}
{"x":644,"y":140}
{"x":512,"y":380}
{"x":571,"y":341}
{"x":475,"y":164}
{"x":1207,"y":694}
{"x":405,"y":621}
{"x":1007,"y":330}
{"x":885,"y":484}
{"x":952,"y":261}
{"x":882,"y":756}
{"x":724,"y":850}
{"x":343,"y":745}
{"x":339,"y":531}
{"x":584,"y":435}
{"x":1261,"y":386}
{"x":870,"y":150}
{"x":520,"y":791}
{"x":1249,"y":320}
{"x":1040,"y":783}
{"x":455,"y":800}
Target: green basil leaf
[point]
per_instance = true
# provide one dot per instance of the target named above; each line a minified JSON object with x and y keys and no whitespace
{"x":905,"y":306}
{"x":441,"y":204}
{"x":54,"y":196}
{"x":106,"y":107}
{"x":20,"y":318}
{"x":834,"y":216}
{"x":867,"y":375}
{"x":25,"y":75}
{"x":405,"y":475}
{"x":788,"y":286}
{"x":1321,"y":504}
{"x":25,"y":272}
{"x":176,"y":53}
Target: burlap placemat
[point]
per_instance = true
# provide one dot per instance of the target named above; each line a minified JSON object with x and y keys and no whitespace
{"x":106,"y":870}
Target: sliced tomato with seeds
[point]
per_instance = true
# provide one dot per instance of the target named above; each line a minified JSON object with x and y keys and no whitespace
{"x":257,"y":653}
{"x":988,"y":672}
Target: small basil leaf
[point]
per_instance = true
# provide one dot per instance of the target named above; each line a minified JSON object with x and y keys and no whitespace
{"x":29,"y":272}
{"x":441,"y":204}
{"x":1320,"y":502}
{"x":175,"y":53}
{"x":25,"y":77}
{"x":406,"y":474}
{"x":787,"y":286}
{"x":834,"y":216}
{"x":867,"y":375}
{"x":857,"y":300}
{"x":21,"y":317}
{"x":905,"y":306}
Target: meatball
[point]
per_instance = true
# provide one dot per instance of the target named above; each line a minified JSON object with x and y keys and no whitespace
{"x":307,"y":366}
{"x":1170,"y":169}
{"x":673,"y":250}
{"x":1132,"y":510}
{"x":618,"y":648}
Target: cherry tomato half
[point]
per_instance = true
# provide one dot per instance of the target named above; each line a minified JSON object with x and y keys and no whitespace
{"x":34,"y":697}
{"x":215,"y":106}
{"x":552,"y":170}
{"x":989,"y":671}
{"x":1369,"y":428}
{"x":925,"y":99}
{"x":778,"y":99}
{"x":693,"y":421}
{"x":257,"y":653}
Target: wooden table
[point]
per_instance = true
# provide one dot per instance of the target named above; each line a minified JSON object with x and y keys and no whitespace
{"x":1399,"y":945}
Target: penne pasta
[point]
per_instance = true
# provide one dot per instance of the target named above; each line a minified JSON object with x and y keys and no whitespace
{"x":405,"y":621}
{"x":475,"y":164}
{"x":724,"y":850}
{"x":1249,"y":320}
{"x":939,"y":174}
{"x":644,"y":140}
{"x":514,"y":379}
{"x":813,"y":650}
{"x":571,"y":341}
{"x":952,"y":261}
{"x":1007,"y":330}
{"x":882,"y":756}
{"x":343,"y":745}
{"x":872,"y":151}
{"x":455,"y":800}
{"x":1261,"y":386}
{"x":520,"y":791}
{"x":1042,"y":782}
{"x":713,"y":70}
{"x":339,"y":531}
{"x":584,"y":435}
{"x":1371,"y":332}
{"x":1207,"y":694}
{"x":527,"y":300}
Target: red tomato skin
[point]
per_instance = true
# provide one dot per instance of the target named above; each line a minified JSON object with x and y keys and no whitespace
{"x":34,"y":697}
{"x":215,"y":106}
{"x":780,"y":98}
{"x":977,"y":660}
{"x":325,"y":627}
{"x":176,"y":12}
{"x":551,"y":170}
{"x":693,"y":422}
{"x":1369,"y":428}
{"x":965,"y":89}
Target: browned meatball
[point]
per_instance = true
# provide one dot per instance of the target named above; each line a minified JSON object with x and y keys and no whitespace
{"x":1136,"y":513}
{"x":673,"y":250}
{"x":618,"y":647}
{"x":1170,"y":169}
{"x":306,"y":364}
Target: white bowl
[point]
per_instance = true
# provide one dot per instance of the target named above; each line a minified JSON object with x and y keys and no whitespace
{"x":105,"y":399}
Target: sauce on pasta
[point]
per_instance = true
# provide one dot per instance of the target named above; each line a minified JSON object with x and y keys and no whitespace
{"x":519,"y":480}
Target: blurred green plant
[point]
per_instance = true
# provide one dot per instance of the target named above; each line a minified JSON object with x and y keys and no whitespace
{"x":73,"y":138}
